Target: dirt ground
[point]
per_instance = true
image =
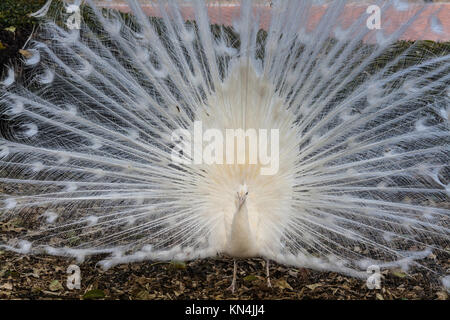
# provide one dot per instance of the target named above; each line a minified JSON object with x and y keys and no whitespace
{"x":45,"y":277}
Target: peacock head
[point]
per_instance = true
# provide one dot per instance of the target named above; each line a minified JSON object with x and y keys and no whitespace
{"x":242,"y":194}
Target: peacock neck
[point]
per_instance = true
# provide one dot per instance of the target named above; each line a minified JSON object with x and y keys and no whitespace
{"x":240,"y":218}
{"x":241,"y":241}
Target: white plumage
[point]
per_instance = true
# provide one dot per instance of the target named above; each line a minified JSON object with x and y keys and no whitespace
{"x":363,"y":149}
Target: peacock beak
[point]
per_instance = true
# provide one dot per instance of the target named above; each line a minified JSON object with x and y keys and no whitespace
{"x":242,"y":197}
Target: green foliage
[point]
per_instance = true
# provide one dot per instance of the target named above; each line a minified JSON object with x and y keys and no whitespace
{"x":177,"y":265}
{"x":94,"y":294}
{"x":16,"y":12}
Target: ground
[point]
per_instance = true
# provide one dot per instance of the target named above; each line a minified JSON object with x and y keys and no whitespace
{"x":45,"y":277}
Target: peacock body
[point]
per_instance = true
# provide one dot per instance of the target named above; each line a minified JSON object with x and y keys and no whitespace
{"x":361,"y":176}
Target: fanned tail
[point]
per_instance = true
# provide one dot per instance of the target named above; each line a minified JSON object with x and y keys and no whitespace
{"x":364,"y":146}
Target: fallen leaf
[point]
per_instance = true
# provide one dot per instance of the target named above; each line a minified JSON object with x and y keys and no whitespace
{"x":379,"y":296}
{"x":34,"y":274}
{"x":314,"y":286}
{"x":36,"y":289}
{"x":250,"y":278}
{"x":144,"y":295}
{"x":283,"y":284}
{"x":177,"y":265}
{"x":27,"y":54}
{"x":6,"y":286}
{"x":55,"y":285}
{"x":442,"y":295}
{"x":11,"y":227}
{"x":2,"y":46}
{"x":399,"y":274}
{"x":11,"y":29}
{"x":293,"y":273}
{"x":94,"y":294}
{"x":12,"y":274}
{"x":50,"y":293}
{"x":60,"y":269}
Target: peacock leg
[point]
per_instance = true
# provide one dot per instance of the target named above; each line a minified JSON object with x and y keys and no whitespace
{"x":233,"y":283}
{"x":268,"y":274}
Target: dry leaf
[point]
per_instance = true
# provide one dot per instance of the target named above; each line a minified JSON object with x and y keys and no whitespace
{"x":27,"y":54}
{"x":55,"y":285}
{"x":11,"y":29}
{"x":177,"y":265}
{"x":34,"y":274}
{"x":399,"y":273}
{"x":11,"y":227}
{"x":442,"y":295}
{"x":94,"y":294}
{"x":143,"y":295}
{"x":6,"y":286}
{"x":283,"y":284}
{"x":250,"y":278}
{"x":293,"y":273}
{"x":314,"y":286}
{"x":51,"y":293}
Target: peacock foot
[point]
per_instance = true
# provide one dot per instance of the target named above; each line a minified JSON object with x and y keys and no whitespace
{"x":232,"y":287}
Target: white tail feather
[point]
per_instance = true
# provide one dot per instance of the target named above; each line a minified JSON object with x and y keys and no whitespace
{"x":364,"y":139}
